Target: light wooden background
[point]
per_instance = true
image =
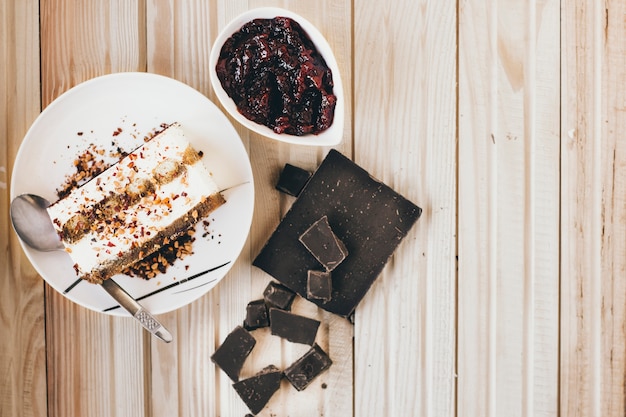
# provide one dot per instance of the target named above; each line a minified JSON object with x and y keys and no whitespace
{"x":503,"y":119}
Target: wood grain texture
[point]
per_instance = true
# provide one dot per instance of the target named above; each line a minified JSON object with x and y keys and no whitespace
{"x":180,"y":35}
{"x":80,"y":41}
{"x":502,"y":119}
{"x":593,"y":262}
{"x":508,"y":208}
{"x":183,"y":380}
{"x":405,"y":135}
{"x":22,"y":346}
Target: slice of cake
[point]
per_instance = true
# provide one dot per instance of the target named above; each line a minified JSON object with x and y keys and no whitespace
{"x":147,"y":199}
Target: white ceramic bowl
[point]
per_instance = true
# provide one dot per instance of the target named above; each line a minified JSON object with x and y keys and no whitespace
{"x":329,"y":137}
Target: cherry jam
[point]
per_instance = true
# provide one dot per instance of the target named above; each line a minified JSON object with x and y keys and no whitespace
{"x":277,"y":78}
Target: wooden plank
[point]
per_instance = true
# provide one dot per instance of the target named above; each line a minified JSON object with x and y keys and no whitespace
{"x":179,"y":37}
{"x":508,"y":208}
{"x":593,"y":261}
{"x":184,"y":381}
{"x":95,"y":38}
{"x":405,"y":135}
{"x":22,"y":346}
{"x":95,"y":362}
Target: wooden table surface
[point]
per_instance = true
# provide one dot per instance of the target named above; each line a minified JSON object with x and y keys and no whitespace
{"x":503,"y":119}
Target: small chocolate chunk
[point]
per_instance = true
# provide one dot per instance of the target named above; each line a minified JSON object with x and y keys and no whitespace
{"x":257,"y":390}
{"x":319,"y":285}
{"x":308,"y":367}
{"x":293,"y":327}
{"x":292,"y":180}
{"x":279,"y":296}
{"x":233,"y":352}
{"x":320,"y":240}
{"x":256,"y":315}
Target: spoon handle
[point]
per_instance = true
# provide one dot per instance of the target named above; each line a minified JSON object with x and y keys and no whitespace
{"x":144,"y":317}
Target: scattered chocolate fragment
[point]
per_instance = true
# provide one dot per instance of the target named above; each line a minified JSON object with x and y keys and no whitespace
{"x":257,"y":390}
{"x":369,"y":217}
{"x":351,"y":318}
{"x":308,"y":367}
{"x":256,"y":315}
{"x":279,"y":296}
{"x":320,"y":240}
{"x":233,"y":352}
{"x":319,"y":285}
{"x":292,"y":180}
{"x":293,"y":327}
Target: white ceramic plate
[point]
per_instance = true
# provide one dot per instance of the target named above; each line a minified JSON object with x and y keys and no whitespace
{"x":329,"y":137}
{"x":134,"y":105}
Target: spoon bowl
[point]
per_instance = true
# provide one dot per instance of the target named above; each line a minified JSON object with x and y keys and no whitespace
{"x":32,"y":223}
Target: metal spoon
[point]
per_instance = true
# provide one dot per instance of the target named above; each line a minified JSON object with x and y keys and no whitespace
{"x":33,"y":225}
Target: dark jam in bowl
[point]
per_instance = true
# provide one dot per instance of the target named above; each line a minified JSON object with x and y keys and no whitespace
{"x":277,"y":78}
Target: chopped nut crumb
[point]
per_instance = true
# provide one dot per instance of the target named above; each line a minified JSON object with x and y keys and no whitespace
{"x":159,"y":261}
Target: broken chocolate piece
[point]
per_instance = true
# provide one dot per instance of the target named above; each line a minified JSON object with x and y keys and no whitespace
{"x":279,"y":296}
{"x":256,"y":315}
{"x":293,"y":327}
{"x":319,"y":285}
{"x":257,"y":390}
{"x":320,"y":240}
{"x":292,"y":180}
{"x":307,"y":368}
{"x":369,"y":217}
{"x":233,"y":352}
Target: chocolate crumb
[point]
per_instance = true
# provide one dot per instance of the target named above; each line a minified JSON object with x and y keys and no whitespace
{"x":257,"y":390}
{"x":256,"y":315}
{"x":303,"y":371}
{"x":279,"y":296}
{"x":292,"y":180}
{"x":319,"y":285}
{"x":233,"y":352}
{"x":323,"y":244}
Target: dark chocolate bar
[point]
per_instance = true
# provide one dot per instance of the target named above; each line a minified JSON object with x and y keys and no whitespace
{"x":320,"y":240}
{"x":319,"y":285}
{"x":293,"y":327}
{"x":256,"y":315}
{"x":292,"y":180}
{"x":233,"y":352}
{"x":257,"y":390}
{"x":279,"y":296}
{"x":307,"y":368}
{"x":368,"y":216}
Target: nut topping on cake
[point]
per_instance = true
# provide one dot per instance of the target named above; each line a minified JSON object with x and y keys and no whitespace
{"x":134,"y":208}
